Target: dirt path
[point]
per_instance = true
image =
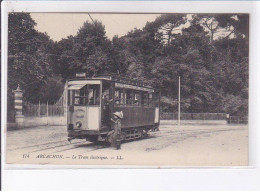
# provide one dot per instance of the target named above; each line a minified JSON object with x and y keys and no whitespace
{"x":199,"y":145}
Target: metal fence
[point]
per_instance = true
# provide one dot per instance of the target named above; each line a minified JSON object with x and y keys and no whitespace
{"x":37,"y":110}
{"x":193,"y":116}
{"x":238,"y":120}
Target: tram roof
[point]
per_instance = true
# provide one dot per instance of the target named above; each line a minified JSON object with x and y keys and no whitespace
{"x":116,"y":78}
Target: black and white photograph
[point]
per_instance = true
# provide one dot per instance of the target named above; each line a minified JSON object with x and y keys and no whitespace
{"x":128,"y":89}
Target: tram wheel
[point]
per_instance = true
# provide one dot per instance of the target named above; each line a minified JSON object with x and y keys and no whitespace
{"x":145,"y":133}
{"x":141,"y":134}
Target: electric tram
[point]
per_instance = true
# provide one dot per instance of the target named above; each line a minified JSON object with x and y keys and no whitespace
{"x":92,"y":102}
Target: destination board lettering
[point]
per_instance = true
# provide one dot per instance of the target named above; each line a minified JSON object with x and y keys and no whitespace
{"x":120,"y":85}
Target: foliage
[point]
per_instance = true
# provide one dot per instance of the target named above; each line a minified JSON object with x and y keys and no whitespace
{"x":52,"y":90}
{"x":209,"y":52}
{"x":211,"y":69}
{"x":28,"y":64}
{"x":88,"y":51}
{"x":165,"y":27}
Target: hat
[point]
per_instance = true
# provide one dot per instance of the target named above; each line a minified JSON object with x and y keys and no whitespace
{"x":119,"y":114}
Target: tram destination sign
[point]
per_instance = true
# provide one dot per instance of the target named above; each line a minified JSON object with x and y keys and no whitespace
{"x":80,"y":74}
{"x":120,"y":85}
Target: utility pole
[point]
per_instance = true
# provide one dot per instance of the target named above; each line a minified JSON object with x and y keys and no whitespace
{"x":179,"y":103}
{"x":39,"y":110}
{"x":47,"y":112}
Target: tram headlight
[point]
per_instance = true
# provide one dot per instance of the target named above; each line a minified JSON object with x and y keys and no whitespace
{"x":78,"y":124}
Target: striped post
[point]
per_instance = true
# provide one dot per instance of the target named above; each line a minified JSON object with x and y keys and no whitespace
{"x":18,"y":106}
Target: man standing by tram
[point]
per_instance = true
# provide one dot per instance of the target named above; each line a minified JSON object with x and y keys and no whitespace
{"x":115,"y":135}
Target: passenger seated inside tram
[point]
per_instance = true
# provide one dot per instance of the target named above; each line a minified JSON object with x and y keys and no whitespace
{"x":119,"y":97}
{"x":105,"y":97}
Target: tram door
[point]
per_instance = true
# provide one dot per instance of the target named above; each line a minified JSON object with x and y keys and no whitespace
{"x":107,"y":100}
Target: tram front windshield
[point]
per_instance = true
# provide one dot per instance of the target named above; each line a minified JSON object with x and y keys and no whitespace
{"x":87,"y":95}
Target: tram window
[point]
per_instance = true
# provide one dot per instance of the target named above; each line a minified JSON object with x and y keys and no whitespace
{"x":128,"y":97}
{"x":80,"y":97}
{"x":105,"y":95}
{"x":76,"y":99}
{"x":144,"y":98}
{"x":119,"y":97}
{"x":88,"y":95}
{"x":156,"y":99}
{"x":150,"y":100}
{"x":137,"y":98}
{"x":94,"y":94}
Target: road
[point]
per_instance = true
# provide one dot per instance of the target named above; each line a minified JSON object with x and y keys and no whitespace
{"x":197,"y":145}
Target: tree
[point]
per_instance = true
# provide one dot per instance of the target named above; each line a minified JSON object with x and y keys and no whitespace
{"x":166,"y":26}
{"x":213,"y":66}
{"x":208,"y":66}
{"x":121,"y":55}
{"x":51,"y":90}
{"x":28,"y":63}
{"x":237,"y":24}
{"x":209,"y":22}
{"x":134,"y":53}
{"x":89,"y":51}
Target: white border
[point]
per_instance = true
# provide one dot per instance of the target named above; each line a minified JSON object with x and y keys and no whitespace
{"x":185,"y":179}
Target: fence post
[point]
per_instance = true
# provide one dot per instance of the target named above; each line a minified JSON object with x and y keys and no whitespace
{"x":18,"y":106}
{"x":228,"y":119}
{"x":39,"y":109}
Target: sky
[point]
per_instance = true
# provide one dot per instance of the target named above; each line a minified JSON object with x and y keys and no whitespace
{"x":61,"y":25}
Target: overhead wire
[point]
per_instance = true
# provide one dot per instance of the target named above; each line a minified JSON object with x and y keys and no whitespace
{"x":92,"y":19}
